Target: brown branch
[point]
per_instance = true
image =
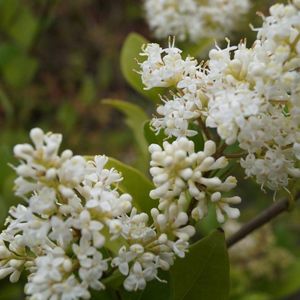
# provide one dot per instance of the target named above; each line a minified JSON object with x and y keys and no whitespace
{"x":220,"y":150}
{"x":235,"y":155}
{"x":266,"y":216}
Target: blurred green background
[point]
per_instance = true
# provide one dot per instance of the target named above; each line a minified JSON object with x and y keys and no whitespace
{"x":58,"y":59}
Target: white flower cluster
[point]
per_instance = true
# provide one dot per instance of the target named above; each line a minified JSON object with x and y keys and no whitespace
{"x":194,"y":19}
{"x":254,"y":97}
{"x":167,"y":68}
{"x":180,"y":174}
{"x":72,"y":213}
{"x":250,"y":95}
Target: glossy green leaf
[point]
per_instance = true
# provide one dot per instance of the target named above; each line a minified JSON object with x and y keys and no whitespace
{"x":151,"y":136}
{"x":130,"y":53}
{"x":104,"y":295}
{"x":204,"y":273}
{"x":199,"y":49}
{"x":210,"y":222}
{"x":136,"y":184}
{"x":155,"y":290}
{"x":135,"y":119}
{"x":198,"y":138}
{"x":158,"y":290}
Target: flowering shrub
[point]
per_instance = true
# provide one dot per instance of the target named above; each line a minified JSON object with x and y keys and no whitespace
{"x":84,"y":226}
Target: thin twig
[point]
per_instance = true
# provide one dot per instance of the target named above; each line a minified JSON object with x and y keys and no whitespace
{"x":220,"y":150}
{"x":204,"y":129}
{"x":266,"y":216}
{"x":235,"y":155}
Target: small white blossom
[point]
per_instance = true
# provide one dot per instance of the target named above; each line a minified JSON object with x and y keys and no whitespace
{"x":164,"y":67}
{"x":175,"y":116}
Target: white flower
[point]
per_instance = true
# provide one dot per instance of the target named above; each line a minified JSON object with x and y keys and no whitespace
{"x":254,"y":97}
{"x":135,"y":227}
{"x":73,"y":213}
{"x":229,"y":110}
{"x":136,"y":279}
{"x":271,"y":170}
{"x":176,"y":115}
{"x":92,"y":264}
{"x":43,"y":202}
{"x":72,"y":171}
{"x":61,"y":232}
{"x":53,"y":280}
{"x":164,"y":67}
{"x":90,"y":229}
{"x":191,"y":19}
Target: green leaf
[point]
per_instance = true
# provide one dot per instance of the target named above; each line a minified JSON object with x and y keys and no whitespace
{"x":154,"y":290}
{"x":129,"y":66}
{"x":198,"y":138}
{"x":115,"y":280}
{"x":104,"y":295}
{"x":151,"y":137}
{"x":24,"y":28}
{"x":6,"y":104}
{"x":154,"y":138}
{"x":88,"y":90}
{"x":256,"y":296}
{"x":11,"y":291}
{"x":135,"y":119}
{"x":17,"y":67}
{"x":199,"y":49}
{"x":19,"y":71}
{"x":204,"y":273}
{"x":136,"y":184}
{"x":8,"y":10}
{"x":209,"y":223}
{"x":8,"y":52}
{"x":157,"y":290}
{"x":67,"y":116}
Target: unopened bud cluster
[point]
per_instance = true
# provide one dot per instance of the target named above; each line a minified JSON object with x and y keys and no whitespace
{"x":181,"y":174}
